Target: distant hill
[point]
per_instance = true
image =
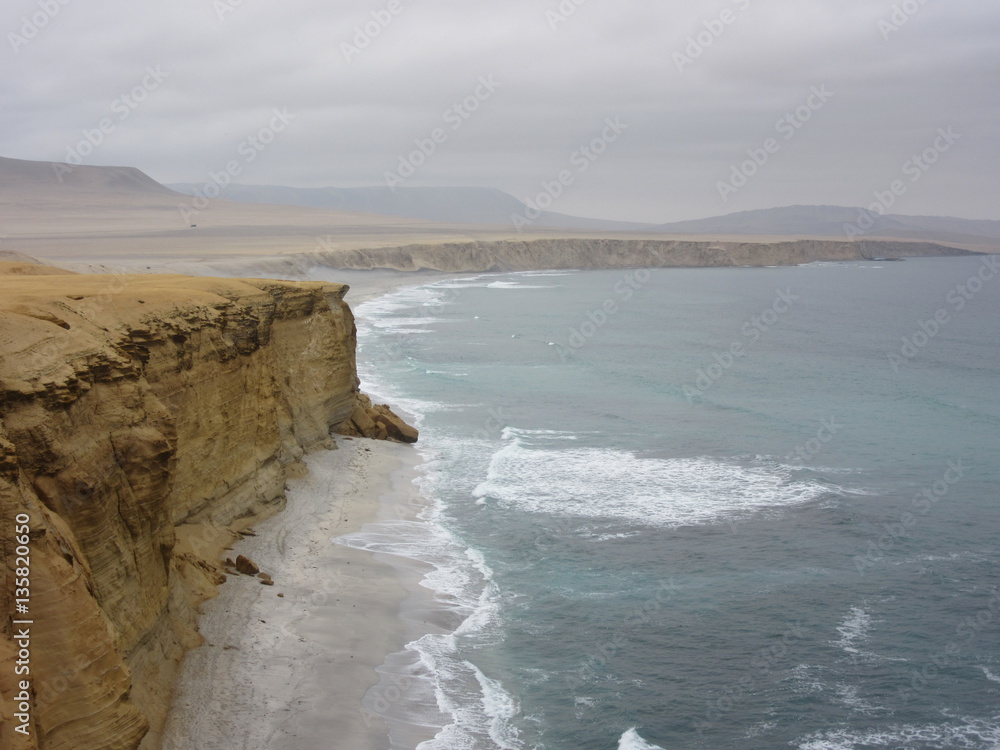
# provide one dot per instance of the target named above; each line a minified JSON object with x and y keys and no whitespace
{"x":10,"y":256}
{"x":832,"y":221}
{"x":37,"y":186}
{"x":25,"y":177}
{"x":463,"y":205}
{"x":102,"y":217}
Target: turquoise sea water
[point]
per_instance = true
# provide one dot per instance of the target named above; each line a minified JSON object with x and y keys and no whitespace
{"x":705,"y":508}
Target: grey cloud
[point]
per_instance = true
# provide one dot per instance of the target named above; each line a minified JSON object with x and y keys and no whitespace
{"x":356,"y":118}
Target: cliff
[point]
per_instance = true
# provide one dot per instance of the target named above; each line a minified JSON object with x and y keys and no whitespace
{"x":144,"y":420}
{"x":584,"y":253}
{"x":529,"y":255}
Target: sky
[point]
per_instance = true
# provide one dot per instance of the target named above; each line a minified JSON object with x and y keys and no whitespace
{"x":620,"y":109}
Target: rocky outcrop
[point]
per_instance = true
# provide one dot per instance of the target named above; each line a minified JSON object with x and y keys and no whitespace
{"x":377,"y":421}
{"x":143,"y":419}
{"x":246,"y":566}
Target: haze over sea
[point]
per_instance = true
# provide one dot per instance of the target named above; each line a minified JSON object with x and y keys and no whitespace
{"x":700,"y":508}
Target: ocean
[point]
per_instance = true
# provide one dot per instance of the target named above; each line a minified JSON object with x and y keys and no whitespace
{"x":697,"y":508}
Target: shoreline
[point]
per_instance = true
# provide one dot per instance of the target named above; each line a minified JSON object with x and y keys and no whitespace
{"x":403,"y":694}
{"x":291,"y":671}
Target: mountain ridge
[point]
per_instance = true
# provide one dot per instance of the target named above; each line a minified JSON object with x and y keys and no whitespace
{"x":844,"y":222}
{"x":20,"y":175}
{"x":48,"y":207}
{"x":465,"y":205}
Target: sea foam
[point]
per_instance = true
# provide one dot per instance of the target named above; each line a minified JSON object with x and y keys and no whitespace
{"x":956,"y":735}
{"x":536,"y":472}
{"x":631,"y":740}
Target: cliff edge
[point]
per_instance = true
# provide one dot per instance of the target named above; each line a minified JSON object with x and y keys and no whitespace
{"x":144,"y":420}
{"x":592,"y":253}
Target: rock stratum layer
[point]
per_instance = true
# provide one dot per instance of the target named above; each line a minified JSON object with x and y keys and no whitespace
{"x":142,"y":420}
{"x":583,"y":253}
{"x":477,"y":256}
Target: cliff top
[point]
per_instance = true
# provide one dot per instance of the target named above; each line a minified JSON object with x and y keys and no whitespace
{"x":50,"y":317}
{"x":21,"y":283}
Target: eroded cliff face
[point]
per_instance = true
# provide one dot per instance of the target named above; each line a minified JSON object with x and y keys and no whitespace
{"x":577,"y":253}
{"x":142,"y":419}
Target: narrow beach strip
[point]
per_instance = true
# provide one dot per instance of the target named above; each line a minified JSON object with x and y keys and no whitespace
{"x":291,"y":671}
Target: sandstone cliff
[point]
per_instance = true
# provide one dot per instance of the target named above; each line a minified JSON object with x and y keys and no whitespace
{"x":142,"y":419}
{"x":621,"y":251}
{"x":580,"y":253}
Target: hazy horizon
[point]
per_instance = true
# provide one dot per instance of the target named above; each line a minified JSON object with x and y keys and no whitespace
{"x":627,"y":112}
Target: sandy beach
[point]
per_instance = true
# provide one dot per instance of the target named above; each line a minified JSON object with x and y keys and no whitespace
{"x":286,"y":666}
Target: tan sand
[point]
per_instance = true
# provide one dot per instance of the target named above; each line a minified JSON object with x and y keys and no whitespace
{"x":289,"y":672}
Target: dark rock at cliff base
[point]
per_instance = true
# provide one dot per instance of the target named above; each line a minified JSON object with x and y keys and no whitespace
{"x":246,"y":566}
{"x":378,"y":422}
{"x":396,"y":428}
{"x":362,"y":420}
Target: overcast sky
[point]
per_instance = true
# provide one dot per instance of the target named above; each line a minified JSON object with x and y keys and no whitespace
{"x":693,"y":86}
